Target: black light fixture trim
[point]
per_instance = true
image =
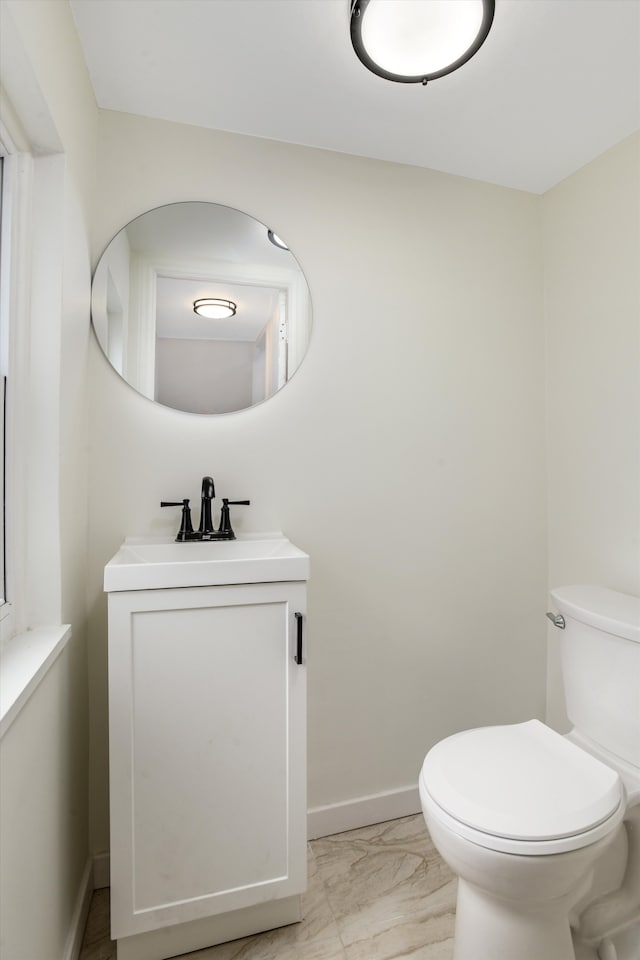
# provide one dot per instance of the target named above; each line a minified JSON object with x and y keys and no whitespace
{"x":276,"y":240}
{"x":358,"y":8}
{"x":229,"y":305}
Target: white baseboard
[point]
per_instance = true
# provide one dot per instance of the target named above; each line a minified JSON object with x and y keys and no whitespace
{"x":101,"y":871}
{"x":362,"y":811}
{"x":80,"y":914}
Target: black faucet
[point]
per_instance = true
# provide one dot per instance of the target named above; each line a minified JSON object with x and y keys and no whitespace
{"x":205,"y":530}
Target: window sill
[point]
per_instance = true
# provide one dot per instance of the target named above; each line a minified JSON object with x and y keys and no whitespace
{"x":24,"y":662}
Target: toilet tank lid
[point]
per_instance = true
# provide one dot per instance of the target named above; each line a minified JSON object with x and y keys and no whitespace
{"x":521,"y":781}
{"x":615,"y":613}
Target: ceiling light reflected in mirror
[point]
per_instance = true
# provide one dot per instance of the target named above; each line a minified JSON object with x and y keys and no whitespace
{"x":214,"y":309}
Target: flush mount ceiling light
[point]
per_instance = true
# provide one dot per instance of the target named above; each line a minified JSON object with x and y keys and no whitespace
{"x":415,"y":41}
{"x":276,"y":241}
{"x":214,"y":309}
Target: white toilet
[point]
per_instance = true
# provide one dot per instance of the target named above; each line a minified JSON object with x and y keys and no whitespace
{"x":543,"y":830}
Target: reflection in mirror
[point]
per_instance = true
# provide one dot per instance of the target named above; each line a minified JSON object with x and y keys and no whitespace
{"x":142,"y":307}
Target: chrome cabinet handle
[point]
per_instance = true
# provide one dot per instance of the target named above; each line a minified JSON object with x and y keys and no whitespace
{"x":557,"y":620}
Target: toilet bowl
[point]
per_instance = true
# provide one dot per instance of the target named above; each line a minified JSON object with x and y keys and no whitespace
{"x":543,"y":830}
{"x":520,"y":814}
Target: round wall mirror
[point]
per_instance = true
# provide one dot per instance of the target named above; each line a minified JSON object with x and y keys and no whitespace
{"x":201,"y":357}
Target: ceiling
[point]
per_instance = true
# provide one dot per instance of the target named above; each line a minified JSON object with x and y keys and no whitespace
{"x":556,"y":83}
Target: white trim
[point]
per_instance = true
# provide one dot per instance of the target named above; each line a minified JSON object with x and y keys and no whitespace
{"x":362,"y":811}
{"x":80,"y":914}
{"x":223,"y":271}
{"x":24,"y":661}
{"x":41,"y":453}
{"x":13,"y":139}
{"x":139,"y":367}
{"x":36,"y":131}
{"x":16,"y":267}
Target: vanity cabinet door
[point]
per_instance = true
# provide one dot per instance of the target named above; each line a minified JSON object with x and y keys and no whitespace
{"x":207,"y":709}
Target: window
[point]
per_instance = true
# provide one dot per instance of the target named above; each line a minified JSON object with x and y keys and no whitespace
{"x":31,"y":277}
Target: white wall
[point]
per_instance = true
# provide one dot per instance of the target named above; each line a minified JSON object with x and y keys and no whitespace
{"x":44,"y":817}
{"x":204,"y":376}
{"x":406,"y":455}
{"x":44,"y":828}
{"x":592,"y":319}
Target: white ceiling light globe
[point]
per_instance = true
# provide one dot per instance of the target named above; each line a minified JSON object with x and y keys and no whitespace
{"x":412,"y":40}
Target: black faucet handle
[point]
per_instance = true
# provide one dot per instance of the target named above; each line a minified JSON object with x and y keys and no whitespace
{"x":225,"y":519}
{"x":186,"y":529}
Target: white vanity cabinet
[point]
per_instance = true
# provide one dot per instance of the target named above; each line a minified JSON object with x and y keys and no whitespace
{"x":207,"y":739}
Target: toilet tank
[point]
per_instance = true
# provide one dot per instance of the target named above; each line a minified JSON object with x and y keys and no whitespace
{"x":600,"y":655}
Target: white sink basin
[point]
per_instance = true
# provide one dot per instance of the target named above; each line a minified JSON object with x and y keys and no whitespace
{"x":152,"y":566}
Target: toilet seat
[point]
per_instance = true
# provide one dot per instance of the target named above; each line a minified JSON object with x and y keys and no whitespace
{"x":521,"y":788}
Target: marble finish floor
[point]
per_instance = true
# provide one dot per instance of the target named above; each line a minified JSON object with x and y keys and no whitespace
{"x":378,"y":893}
